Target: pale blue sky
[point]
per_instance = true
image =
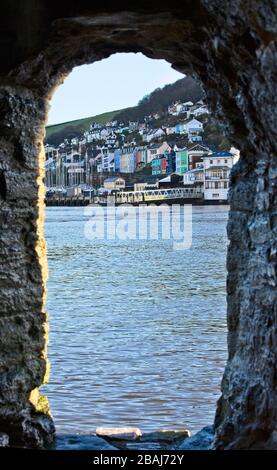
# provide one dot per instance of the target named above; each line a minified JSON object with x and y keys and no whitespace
{"x":114,"y":83}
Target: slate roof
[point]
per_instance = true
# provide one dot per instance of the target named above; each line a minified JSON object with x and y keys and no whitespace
{"x":111,"y":179}
{"x":222,"y":154}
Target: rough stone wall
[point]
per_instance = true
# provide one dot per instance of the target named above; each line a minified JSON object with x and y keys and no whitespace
{"x":23,"y":327}
{"x":231,"y":48}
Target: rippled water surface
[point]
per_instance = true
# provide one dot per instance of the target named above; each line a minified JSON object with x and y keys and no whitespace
{"x":137,"y":330}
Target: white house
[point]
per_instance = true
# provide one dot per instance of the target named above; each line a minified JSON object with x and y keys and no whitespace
{"x":217,"y":167}
{"x":194,"y":178}
{"x":179,"y":108}
{"x":104,"y":133}
{"x":236,"y":153}
{"x":200,"y":110}
{"x":75,"y":141}
{"x":115,"y":182}
{"x":170,"y":130}
{"x":128,"y":159}
{"x":194,"y":129}
{"x":111,"y":138}
{"x":98,"y":163}
{"x":93,"y":135}
{"x":105,"y":160}
{"x":155,"y":150}
{"x":194,"y":125}
{"x":154,"y":134}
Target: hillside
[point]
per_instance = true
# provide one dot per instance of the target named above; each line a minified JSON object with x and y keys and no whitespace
{"x":185,"y":89}
{"x":56,"y":133}
{"x":158,"y":101}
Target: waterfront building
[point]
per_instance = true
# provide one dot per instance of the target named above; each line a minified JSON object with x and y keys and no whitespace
{"x":194,"y":177}
{"x":170,"y":161}
{"x":114,"y":183}
{"x":159,"y":165}
{"x":217,"y":167}
{"x":75,"y":169}
{"x":141,"y":156}
{"x":149,"y":182}
{"x":128,"y":159}
{"x":182,"y":161}
{"x":106,"y":163}
{"x":171,"y":181}
{"x":105,"y":160}
{"x":196,"y":153}
{"x":117,"y":157}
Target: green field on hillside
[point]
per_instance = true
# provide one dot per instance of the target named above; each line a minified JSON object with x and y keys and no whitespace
{"x":60,"y":131}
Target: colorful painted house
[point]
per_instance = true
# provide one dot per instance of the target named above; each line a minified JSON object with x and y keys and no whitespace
{"x":128,"y":160}
{"x":196,"y":153}
{"x":182,"y":161}
{"x":117,"y":157}
{"x":171,"y":161}
{"x":180,"y":128}
{"x":141,"y":156}
{"x":159,"y":165}
{"x":154,"y":150}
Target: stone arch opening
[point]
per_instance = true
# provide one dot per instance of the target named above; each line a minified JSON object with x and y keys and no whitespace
{"x":147,"y":390}
{"x":232,"y":53}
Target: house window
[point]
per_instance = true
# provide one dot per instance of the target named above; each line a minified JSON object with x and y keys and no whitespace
{"x":225,"y":161}
{"x":215,"y":195}
{"x":211,"y":162}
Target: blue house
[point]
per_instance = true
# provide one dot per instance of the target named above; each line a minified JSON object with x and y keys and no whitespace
{"x":117,"y":157}
{"x":179,"y":128}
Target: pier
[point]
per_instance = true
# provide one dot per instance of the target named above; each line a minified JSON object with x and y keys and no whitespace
{"x":59,"y":200}
{"x":159,"y":196}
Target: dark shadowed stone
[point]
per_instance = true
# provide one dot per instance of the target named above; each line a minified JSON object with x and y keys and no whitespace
{"x":202,"y":440}
{"x":80,"y":442}
{"x":230,"y":46}
{"x":165,"y":435}
{"x":157,"y":440}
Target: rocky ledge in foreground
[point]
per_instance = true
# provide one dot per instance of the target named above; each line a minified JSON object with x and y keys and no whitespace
{"x":134,"y":439}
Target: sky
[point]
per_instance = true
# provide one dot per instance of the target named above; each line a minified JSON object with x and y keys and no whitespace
{"x":114,"y":83}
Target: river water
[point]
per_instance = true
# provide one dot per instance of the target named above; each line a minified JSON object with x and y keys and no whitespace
{"x":137,"y":329}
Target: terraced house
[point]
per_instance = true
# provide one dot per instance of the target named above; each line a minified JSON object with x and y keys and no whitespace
{"x":182,"y":161}
{"x":217,"y":167}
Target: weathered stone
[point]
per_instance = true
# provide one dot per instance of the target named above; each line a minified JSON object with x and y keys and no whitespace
{"x":80,"y":442}
{"x":231,"y":48}
{"x":165,"y":435}
{"x":202,"y":440}
{"x":123,"y":434}
{"x":157,"y":440}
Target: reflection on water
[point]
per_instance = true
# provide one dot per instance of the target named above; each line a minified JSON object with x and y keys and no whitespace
{"x":137,"y":330}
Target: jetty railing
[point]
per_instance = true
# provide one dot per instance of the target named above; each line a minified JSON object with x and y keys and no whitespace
{"x":158,"y":195}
